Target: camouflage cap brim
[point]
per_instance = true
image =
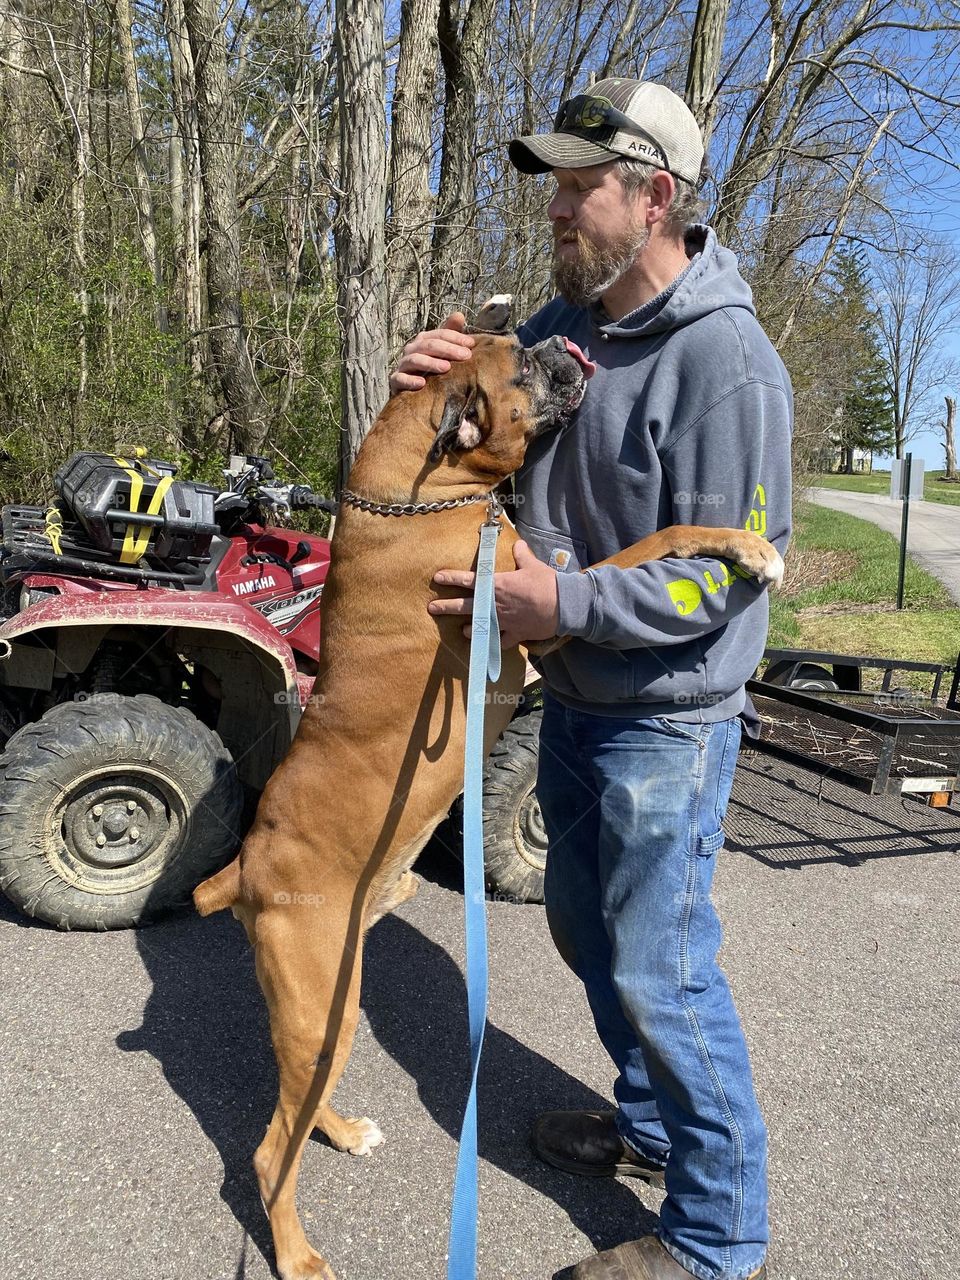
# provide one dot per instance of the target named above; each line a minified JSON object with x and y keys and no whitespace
{"x":541,"y":152}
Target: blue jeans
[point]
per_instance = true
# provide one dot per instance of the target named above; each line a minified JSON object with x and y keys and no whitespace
{"x":633,"y":811}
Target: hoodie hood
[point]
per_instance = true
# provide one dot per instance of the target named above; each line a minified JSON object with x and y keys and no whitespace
{"x":711,"y":281}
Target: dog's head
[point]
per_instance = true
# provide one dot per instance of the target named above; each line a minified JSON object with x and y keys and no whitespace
{"x":486,"y":410}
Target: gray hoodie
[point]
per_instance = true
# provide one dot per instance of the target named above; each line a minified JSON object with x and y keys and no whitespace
{"x":686,"y":421}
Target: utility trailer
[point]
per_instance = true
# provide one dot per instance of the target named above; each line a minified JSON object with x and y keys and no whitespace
{"x":853,"y":719}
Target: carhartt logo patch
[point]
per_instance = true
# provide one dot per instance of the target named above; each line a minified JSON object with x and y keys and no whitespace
{"x":559,"y":559}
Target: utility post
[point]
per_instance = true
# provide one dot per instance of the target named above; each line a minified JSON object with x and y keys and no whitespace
{"x":906,"y":481}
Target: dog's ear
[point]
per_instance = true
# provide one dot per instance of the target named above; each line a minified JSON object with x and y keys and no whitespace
{"x":458,"y":429}
{"x":495,"y":316}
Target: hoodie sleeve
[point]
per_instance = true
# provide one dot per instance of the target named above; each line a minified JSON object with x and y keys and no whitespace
{"x":730,"y":468}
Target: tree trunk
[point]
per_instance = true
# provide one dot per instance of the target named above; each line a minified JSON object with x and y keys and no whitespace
{"x":245,"y":407}
{"x":186,"y":197}
{"x":359,"y":228}
{"x":143,"y":194}
{"x":949,"y":444}
{"x":79,"y":134}
{"x":411,"y":201}
{"x":703,"y":69}
{"x":454,"y":245}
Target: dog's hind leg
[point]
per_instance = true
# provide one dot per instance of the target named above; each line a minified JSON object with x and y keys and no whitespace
{"x":309,"y":970}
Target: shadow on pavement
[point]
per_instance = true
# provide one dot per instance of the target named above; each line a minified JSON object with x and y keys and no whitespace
{"x":789,"y":819}
{"x":413,"y":993}
{"x":206,"y":1024}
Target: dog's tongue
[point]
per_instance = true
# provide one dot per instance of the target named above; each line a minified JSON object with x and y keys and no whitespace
{"x":588,"y":366}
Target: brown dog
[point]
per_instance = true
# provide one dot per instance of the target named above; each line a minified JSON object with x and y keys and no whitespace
{"x":378,"y":756}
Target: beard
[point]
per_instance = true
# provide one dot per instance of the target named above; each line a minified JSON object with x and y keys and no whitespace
{"x":581,"y":279}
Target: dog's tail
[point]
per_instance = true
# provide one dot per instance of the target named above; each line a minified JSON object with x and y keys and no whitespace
{"x":220,"y":891}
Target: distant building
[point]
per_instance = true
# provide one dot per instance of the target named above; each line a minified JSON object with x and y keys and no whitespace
{"x":833,"y":458}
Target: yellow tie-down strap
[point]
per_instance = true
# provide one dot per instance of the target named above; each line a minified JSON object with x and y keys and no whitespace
{"x":53,"y":528}
{"x":137,"y":538}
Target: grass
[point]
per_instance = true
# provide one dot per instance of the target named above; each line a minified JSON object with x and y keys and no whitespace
{"x":934,"y":488}
{"x":840,"y":594}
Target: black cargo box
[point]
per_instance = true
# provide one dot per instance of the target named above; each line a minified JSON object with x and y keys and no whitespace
{"x":135,"y":507}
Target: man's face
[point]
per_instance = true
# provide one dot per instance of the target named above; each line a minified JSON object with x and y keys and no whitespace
{"x":598,"y":230}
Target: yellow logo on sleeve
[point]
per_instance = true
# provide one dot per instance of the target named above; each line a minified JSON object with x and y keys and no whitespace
{"x":687,"y":594}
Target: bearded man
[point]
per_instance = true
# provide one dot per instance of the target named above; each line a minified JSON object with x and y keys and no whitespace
{"x":686,"y":421}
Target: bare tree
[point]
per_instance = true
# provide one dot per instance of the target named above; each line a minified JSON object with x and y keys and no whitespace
{"x":949,"y":439}
{"x":916,"y":300}
{"x":244,"y":405}
{"x":411,"y":200}
{"x":359,"y":226}
{"x":703,"y":69}
{"x":142,"y":191}
{"x":463,"y":52}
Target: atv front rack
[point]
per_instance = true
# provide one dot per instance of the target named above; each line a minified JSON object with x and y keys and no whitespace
{"x":46,"y":540}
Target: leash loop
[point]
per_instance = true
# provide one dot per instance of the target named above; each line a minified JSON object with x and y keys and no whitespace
{"x":484,"y":666}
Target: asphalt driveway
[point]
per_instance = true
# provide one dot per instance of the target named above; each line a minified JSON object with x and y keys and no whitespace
{"x":137,"y":1077}
{"x":933,"y":528}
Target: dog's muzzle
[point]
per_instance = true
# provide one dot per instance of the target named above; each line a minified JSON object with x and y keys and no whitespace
{"x":563,"y":371}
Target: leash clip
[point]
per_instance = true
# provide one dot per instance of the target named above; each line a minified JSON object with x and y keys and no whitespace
{"x":494,"y":509}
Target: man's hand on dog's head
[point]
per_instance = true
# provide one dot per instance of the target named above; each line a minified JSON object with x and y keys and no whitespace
{"x":432,"y":352}
{"x":527,"y":604}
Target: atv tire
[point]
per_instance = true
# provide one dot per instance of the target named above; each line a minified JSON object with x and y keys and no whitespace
{"x":112,"y":810}
{"x":514,"y":841}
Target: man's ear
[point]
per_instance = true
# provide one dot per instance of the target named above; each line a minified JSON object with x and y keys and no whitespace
{"x":458,"y":427}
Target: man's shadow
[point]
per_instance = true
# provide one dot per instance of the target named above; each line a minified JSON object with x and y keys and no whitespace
{"x":205,"y":1022}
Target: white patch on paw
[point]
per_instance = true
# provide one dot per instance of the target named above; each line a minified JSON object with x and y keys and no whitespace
{"x":367,"y":1137}
{"x":772,"y":571}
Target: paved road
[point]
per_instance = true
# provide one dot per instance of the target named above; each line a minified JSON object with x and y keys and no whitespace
{"x":933,"y":529}
{"x":136,"y":1076}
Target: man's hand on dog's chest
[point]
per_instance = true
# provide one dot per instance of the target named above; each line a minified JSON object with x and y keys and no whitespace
{"x":526,"y":598}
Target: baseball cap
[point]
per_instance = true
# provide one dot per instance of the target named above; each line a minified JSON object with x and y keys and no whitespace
{"x":636,"y":119}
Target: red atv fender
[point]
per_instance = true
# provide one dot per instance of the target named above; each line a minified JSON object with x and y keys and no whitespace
{"x":244,"y":660}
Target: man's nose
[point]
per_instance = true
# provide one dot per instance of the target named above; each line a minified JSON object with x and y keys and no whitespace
{"x":559,"y":210}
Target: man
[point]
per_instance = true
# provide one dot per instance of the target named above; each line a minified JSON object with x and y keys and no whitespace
{"x":687,"y":420}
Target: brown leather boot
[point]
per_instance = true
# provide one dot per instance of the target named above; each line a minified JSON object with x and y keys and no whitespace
{"x":587,"y":1142}
{"x":644,"y":1259}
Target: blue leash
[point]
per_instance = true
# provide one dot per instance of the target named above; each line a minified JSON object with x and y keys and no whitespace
{"x":484,"y":665}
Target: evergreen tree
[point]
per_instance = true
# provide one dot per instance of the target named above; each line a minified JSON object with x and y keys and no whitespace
{"x":865,"y":413}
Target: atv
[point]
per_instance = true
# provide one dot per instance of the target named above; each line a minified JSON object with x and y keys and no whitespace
{"x":159,"y":639}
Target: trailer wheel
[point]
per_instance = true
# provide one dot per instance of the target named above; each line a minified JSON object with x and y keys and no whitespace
{"x":809,"y":675}
{"x":113,"y":810}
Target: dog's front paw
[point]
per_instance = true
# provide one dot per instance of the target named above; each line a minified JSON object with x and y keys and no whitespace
{"x":362,"y":1137}
{"x":769,"y":567}
{"x":310,"y":1266}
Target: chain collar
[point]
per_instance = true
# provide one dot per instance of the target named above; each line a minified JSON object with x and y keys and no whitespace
{"x":420,"y":508}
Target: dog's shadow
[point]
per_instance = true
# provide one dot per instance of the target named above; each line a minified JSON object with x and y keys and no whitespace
{"x":411,"y":989}
{"x":206,"y":1024}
